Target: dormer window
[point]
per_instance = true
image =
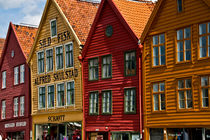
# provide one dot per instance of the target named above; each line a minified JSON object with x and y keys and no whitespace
{"x":180,"y":5}
{"x":53,"y":28}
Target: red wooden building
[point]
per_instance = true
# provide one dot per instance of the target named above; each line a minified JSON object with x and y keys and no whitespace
{"x":15,"y":119}
{"x":111,"y":62}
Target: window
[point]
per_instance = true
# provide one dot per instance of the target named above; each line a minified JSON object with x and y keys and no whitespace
{"x":130,"y":100}
{"x":69,"y":55}
{"x":16,"y":107}
{"x":205,"y":90}
{"x":41,"y":62}
{"x":59,"y":57}
{"x":107,"y":66}
{"x":22,"y":73}
{"x":156,"y":133}
{"x":53,"y":27}
{"x":125,"y":135}
{"x":50,"y":96}
{"x":159,"y":50}
{"x":179,"y":6}
{"x":158,"y":96}
{"x":93,"y":69}
{"x":41,"y":97}
{"x":16,"y":75}
{"x":70,"y":93}
{"x":184,"y":44}
{"x":93,"y":103}
{"x":204,"y":39}
{"x":4,"y":79}
{"x":49,"y":60}
{"x":185,"y":93}
{"x":60,"y":95}
{"x":3,"y":109}
{"x":106,"y":102}
{"x":130,"y":63}
{"x":22,"y":105}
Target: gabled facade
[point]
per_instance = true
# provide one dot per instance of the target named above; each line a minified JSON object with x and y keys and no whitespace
{"x":176,"y":71}
{"x":111,"y":65}
{"x":55,"y":69}
{"x":15,"y":99}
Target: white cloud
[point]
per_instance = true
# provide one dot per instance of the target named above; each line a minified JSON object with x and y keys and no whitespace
{"x":31,"y":19}
{"x":8,"y":4}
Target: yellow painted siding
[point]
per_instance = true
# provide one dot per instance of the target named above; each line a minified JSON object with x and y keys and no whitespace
{"x":168,"y":21}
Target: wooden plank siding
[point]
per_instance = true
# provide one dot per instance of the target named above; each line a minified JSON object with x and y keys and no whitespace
{"x":168,"y":21}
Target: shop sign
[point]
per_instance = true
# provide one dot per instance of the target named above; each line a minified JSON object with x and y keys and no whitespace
{"x":9,"y":125}
{"x":56,"y":118}
{"x":56,"y":76}
{"x":19,"y":124}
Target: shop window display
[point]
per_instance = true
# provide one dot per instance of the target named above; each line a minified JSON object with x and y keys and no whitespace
{"x":156,"y":134}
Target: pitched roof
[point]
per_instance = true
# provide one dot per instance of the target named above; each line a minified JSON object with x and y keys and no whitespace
{"x":80,"y":15}
{"x":2,"y":40}
{"x":136,"y":14}
{"x":25,"y":36}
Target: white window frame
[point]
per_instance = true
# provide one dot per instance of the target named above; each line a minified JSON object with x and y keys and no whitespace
{"x":105,"y":103}
{"x":22,"y":105}
{"x":37,"y":55}
{"x":22,"y":73}
{"x":4,"y":79}
{"x":66,"y":93}
{"x":47,"y":96}
{"x":15,"y":107}
{"x":46,"y":59}
{"x":3,"y":109}
{"x":56,"y":58}
{"x":95,"y":103}
{"x":16,"y":75}
{"x":71,"y":44}
{"x":57,"y":94}
{"x":38,"y":98}
{"x":51,"y":28}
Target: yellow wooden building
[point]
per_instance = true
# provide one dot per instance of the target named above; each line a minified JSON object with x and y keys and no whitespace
{"x":176,"y":71}
{"x":56,"y":76}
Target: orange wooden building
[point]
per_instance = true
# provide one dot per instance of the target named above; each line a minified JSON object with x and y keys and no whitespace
{"x":176,"y":71}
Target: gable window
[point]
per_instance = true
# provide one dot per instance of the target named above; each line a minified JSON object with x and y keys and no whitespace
{"x":4,"y":79}
{"x":106,"y":102}
{"x":60,"y":95}
{"x":49,"y":60}
{"x":69,"y":55}
{"x":184,"y":44}
{"x":158,"y":96}
{"x":107,"y":66}
{"x":3,"y":109}
{"x":16,"y":107}
{"x":130,"y":100}
{"x":205,"y":86}
{"x":93,"y":103}
{"x":93,"y":69}
{"x":22,"y":105}
{"x":159,"y":50}
{"x":59,"y":57}
{"x":41,"y":97}
{"x":130,"y":63}
{"x":50,"y":96}
{"x":179,"y":5}
{"x":204,"y":39}
{"x":22,"y":73}
{"x":70,"y":93}
{"x":185,"y":93}
{"x":16,"y":75}
{"x":53,"y":27}
{"x":41,"y":62}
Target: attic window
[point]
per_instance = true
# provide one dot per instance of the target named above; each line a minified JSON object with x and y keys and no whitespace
{"x":180,"y":5}
{"x":53,"y":28}
{"x":109,"y":31}
{"x":12,"y":53}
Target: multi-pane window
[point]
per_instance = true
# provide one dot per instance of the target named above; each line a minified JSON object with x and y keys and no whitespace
{"x":22,"y":105}
{"x":16,"y":75}
{"x":130,"y":63}
{"x":107,"y":66}
{"x":130,"y":100}
{"x":41,"y":97}
{"x":184,"y":44}
{"x":204,"y":39}
{"x":41,"y":62}
{"x":179,"y":6}
{"x":93,"y":103}
{"x":15,"y":107}
{"x":50,"y":96}
{"x":4,"y":74}
{"x":158,"y":96}
{"x":60,"y":95}
{"x":106,"y":102}
{"x":69,"y":55}
{"x":53,"y":27}
{"x":185,"y":93}
{"x":3,"y":109}
{"x":159,"y":50}
{"x":49,"y":60}
{"x":22,"y":73}
{"x":93,"y":69}
{"x":205,"y":85}
{"x":59,"y":57}
{"x":70,"y":93}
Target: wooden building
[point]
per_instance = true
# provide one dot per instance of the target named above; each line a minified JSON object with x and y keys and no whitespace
{"x":15,"y":99}
{"x":176,"y":71}
{"x":111,"y":62}
{"x":56,"y":80}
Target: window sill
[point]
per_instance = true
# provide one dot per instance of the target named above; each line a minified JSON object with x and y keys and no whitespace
{"x":106,"y":114}
{"x":93,"y":80}
{"x":159,"y":66}
{"x":185,"y":110}
{"x":130,"y":75}
{"x":130,"y":113}
{"x":159,"y":112}
{"x":106,"y":78}
{"x":184,"y":62}
{"x":203,"y":58}
{"x":95,"y":114}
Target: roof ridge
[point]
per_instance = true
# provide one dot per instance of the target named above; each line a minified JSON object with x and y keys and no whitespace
{"x":29,"y":26}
